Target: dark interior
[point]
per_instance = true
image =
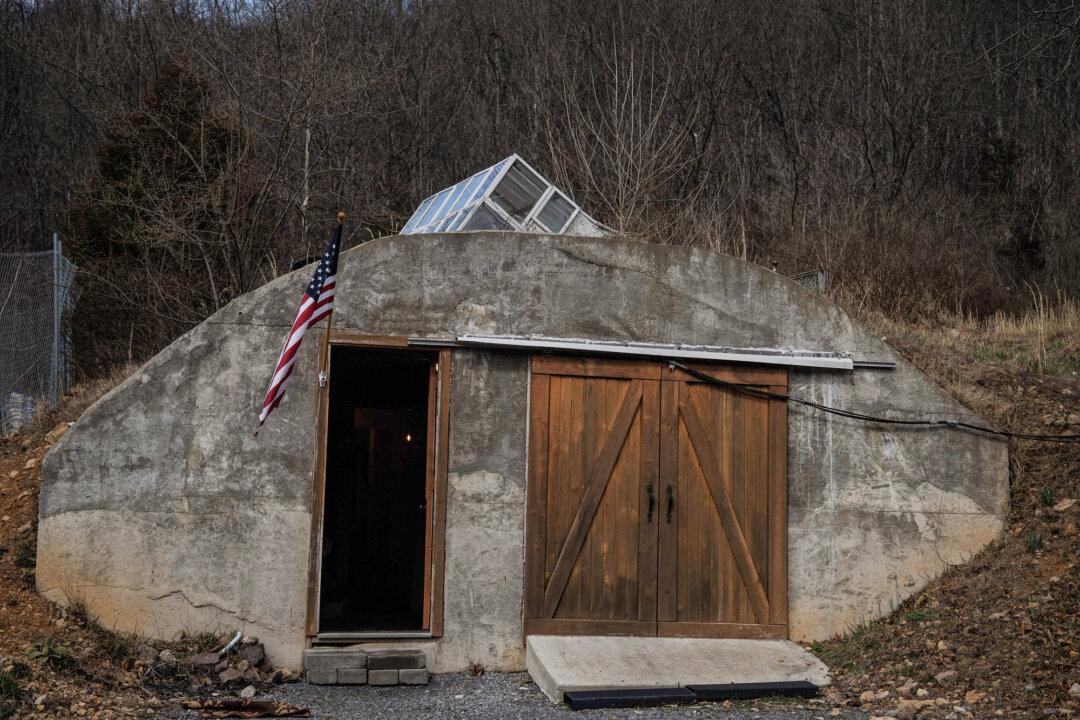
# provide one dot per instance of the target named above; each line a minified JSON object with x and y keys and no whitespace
{"x":374,"y":516}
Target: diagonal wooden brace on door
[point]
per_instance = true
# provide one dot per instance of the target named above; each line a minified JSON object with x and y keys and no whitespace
{"x":730,"y":522}
{"x":594,"y":491}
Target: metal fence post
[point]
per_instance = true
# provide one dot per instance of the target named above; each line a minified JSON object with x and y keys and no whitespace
{"x":54,"y":378}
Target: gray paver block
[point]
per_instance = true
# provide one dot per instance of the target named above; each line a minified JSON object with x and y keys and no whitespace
{"x":382,"y":677}
{"x":334,"y":658}
{"x":322,"y":677}
{"x":413,"y":676}
{"x":352,"y":676}
{"x":396,"y":659}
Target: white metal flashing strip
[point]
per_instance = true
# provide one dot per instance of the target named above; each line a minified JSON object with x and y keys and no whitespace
{"x":758,"y":356}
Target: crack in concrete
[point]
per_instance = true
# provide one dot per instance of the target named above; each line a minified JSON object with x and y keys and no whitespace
{"x":200,"y":606}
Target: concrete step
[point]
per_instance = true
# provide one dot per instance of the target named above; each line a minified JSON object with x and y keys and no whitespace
{"x":352,"y":665}
{"x":559,"y":664}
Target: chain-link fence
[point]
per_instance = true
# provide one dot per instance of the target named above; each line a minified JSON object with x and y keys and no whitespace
{"x":37,"y":297}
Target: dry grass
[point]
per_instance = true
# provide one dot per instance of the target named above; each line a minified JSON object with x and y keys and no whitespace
{"x":75,"y":402}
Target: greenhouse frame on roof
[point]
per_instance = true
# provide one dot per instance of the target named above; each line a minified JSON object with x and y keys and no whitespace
{"x":509,"y":195}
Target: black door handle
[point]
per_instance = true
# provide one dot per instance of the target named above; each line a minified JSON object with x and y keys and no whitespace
{"x":670,"y":502}
{"x":652,"y":501}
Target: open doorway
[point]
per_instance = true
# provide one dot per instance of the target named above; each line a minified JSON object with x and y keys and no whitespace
{"x":376,"y":548}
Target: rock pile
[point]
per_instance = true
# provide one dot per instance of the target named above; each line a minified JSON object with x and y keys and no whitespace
{"x":224,"y":669}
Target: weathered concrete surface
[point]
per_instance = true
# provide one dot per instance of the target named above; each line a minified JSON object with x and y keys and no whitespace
{"x":559,"y":664}
{"x":166,"y":515}
{"x":212,"y":524}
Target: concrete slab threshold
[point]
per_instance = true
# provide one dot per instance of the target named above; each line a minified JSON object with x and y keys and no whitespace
{"x":558,"y":664}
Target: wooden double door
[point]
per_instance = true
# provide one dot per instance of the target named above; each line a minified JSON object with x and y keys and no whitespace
{"x":657,"y":502}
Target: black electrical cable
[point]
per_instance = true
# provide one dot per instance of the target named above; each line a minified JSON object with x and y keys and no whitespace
{"x":765,"y":394}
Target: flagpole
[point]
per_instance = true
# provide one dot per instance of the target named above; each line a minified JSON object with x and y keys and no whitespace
{"x":325,"y":352}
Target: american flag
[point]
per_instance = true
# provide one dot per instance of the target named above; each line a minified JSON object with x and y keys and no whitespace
{"x":317,"y":303}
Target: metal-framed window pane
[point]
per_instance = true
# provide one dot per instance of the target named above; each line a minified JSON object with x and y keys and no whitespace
{"x":471,"y":186}
{"x":518,"y":191}
{"x":489,"y":178}
{"x":432,"y":214}
{"x":456,"y":199}
{"x":457,"y":220}
{"x":409,"y":226}
{"x":556,"y":213}
{"x":486,"y":219}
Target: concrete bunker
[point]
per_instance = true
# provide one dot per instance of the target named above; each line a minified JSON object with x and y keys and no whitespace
{"x":563,"y":488}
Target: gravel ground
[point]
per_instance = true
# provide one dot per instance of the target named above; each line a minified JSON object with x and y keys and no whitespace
{"x":512,"y":696}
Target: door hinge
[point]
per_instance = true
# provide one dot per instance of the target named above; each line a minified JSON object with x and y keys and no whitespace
{"x":322,"y":378}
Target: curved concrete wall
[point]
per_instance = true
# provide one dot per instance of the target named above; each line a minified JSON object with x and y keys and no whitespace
{"x":165,"y":514}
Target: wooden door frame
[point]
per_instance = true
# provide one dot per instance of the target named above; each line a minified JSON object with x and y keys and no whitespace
{"x":436,"y":471}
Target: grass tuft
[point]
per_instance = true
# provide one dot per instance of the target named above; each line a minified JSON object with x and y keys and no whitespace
{"x":1034,"y":540}
{"x":1046,"y":497}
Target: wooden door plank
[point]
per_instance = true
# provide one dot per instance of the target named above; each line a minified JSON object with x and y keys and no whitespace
{"x":596,"y":367}
{"x":667,"y":555}
{"x":734,"y":598}
{"x":742,"y":375}
{"x":594,"y":490}
{"x":743,"y":608}
{"x":536,"y":526}
{"x":649,"y":475}
{"x":756,"y":485}
{"x":569,"y":626}
{"x":778,"y":514}
{"x":732,"y":529}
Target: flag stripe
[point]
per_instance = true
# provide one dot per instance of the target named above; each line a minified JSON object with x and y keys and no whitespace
{"x":317,"y":303}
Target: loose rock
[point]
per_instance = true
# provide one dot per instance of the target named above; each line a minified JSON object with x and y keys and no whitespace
{"x":202,"y":660}
{"x":254,"y":654}
{"x":907,"y":709}
{"x":230,"y":675}
{"x":947,"y":678}
{"x":248,"y":692}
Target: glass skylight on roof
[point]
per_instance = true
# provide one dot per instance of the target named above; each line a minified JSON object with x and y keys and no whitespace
{"x":509,"y":195}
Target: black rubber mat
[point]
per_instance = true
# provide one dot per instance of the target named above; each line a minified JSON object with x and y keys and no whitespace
{"x":733,"y":691}
{"x":628,"y":698}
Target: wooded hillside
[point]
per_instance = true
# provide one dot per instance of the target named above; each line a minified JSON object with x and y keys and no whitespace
{"x":925,"y":154}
